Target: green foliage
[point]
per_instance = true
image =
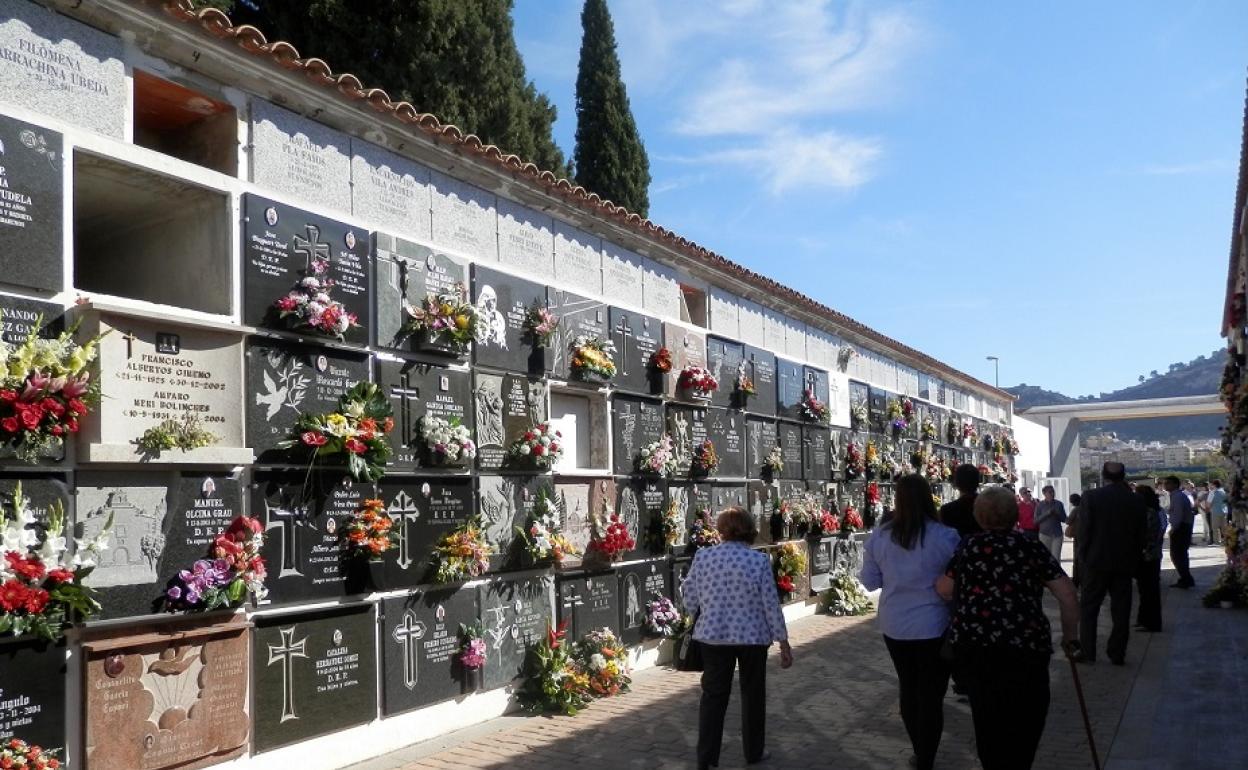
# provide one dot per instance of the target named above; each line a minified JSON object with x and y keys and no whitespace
{"x":186,"y":435}
{"x":846,"y":596}
{"x":456,"y":59}
{"x":610,"y":157}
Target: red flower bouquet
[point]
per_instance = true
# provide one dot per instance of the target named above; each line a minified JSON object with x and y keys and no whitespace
{"x":609,"y":538}
{"x":697,"y":381}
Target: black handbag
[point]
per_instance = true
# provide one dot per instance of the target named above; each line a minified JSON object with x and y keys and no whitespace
{"x":689,"y":653}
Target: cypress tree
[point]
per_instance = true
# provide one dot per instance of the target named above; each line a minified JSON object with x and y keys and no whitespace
{"x":456,"y":59}
{"x":610,"y":158}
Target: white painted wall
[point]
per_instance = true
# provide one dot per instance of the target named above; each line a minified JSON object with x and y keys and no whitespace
{"x":1033,"y":441}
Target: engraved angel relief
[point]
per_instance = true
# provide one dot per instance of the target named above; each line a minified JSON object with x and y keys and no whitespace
{"x":284,"y":385}
{"x":681,"y":438}
{"x":630,"y":512}
{"x":489,"y":407}
{"x":634,"y":605}
{"x":498,"y":510}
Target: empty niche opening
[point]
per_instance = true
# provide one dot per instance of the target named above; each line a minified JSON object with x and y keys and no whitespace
{"x":181,"y":122}
{"x":146,"y":236}
{"x":692,"y":305}
{"x":582,"y":419}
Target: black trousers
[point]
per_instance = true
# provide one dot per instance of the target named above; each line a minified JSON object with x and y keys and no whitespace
{"x":1148,"y":583}
{"x":1180,"y":541}
{"x":718,"y":662}
{"x":922,"y":679}
{"x":1096,"y":584}
{"x":1009,"y":696}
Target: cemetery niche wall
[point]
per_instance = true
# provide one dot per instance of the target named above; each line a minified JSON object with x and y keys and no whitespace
{"x":272,"y":266}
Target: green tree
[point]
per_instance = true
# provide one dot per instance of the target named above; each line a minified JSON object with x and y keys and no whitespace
{"x":609,"y":156}
{"x":456,"y":59}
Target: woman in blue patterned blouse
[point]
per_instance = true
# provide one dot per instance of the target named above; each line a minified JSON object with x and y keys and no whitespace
{"x":731,"y":591}
{"x":905,"y":557}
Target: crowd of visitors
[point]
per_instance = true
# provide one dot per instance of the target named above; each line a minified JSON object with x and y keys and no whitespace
{"x":961,"y":592}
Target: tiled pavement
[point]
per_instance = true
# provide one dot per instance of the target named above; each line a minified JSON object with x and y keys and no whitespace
{"x":1183,"y":693}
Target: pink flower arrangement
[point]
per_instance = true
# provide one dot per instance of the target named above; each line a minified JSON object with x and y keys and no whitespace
{"x":541,"y":447}
{"x":697,"y":381}
{"x":309,"y":306}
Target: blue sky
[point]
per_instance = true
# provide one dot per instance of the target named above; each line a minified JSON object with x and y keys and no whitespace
{"x":1048,"y":182}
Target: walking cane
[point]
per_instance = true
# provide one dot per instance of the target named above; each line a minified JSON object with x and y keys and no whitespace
{"x":1083,"y":708}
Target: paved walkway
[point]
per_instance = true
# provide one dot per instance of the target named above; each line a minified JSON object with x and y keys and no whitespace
{"x":1180,"y":702}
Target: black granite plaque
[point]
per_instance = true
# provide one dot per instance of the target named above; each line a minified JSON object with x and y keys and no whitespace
{"x":859,"y":397}
{"x":687,"y":425}
{"x":637,"y":337}
{"x":420,"y":647}
{"x":424,"y":510}
{"x":287,"y":380}
{"x":163,"y":522}
{"x":635,"y":423}
{"x":280,"y":246}
{"x":821,"y":564}
{"x":837,"y":441}
{"x":877,"y":405}
{"x":760,"y":437}
{"x":726,"y":429}
{"x":312,"y":674}
{"x":32,"y":692}
{"x":18,"y":316}
{"x":789,"y":437}
{"x":417,"y":390}
{"x":505,"y":406}
{"x":680,"y":568}
{"x":815,"y":381}
{"x":816,"y":455}
{"x":640,"y":584}
{"x":726,"y":361}
{"x":691,"y":499}
{"x":515,"y":615}
{"x":589,"y":602}
{"x":41,"y":492}
{"x":32,"y":204}
{"x":578,"y":316}
{"x":760,"y":502}
{"x":761,"y":367}
{"x":789,"y":385}
{"x":405,"y":273}
{"x":728,"y":496}
{"x":304,"y":519}
{"x":506,"y":504}
{"x":503,"y":302}
{"x":640,"y":502}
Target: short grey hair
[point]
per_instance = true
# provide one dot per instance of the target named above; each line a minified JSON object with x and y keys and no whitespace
{"x":996,"y":508}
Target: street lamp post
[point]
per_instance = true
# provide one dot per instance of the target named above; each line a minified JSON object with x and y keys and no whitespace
{"x":996,"y":370}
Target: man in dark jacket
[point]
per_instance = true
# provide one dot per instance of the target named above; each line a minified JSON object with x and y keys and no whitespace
{"x":1110,"y":541}
{"x":959,"y":514}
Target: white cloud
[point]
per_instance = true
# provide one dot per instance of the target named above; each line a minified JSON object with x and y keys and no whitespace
{"x":788,"y":160}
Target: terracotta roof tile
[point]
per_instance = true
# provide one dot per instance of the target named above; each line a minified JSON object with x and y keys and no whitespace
{"x":285,"y":55}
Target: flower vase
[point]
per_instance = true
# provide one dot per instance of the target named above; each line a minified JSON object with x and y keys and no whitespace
{"x":471,"y":680}
{"x":777,"y":528}
{"x":434,"y":342}
{"x":693,"y":394}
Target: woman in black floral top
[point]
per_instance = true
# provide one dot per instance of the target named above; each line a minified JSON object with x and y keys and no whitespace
{"x":1000,"y":634}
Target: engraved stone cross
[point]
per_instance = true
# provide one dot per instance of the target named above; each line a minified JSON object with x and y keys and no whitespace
{"x":285,"y":653}
{"x":407,"y":634}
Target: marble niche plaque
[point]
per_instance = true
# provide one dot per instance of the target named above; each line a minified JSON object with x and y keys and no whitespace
{"x":56,"y":66}
{"x":465,"y":219}
{"x":662,"y":290}
{"x":726,"y":429}
{"x":314,"y":674}
{"x":390,"y":190}
{"x":578,"y":259}
{"x":837,"y":441}
{"x":691,"y":498}
{"x":640,"y":502}
{"x":728,"y":496}
{"x":859,"y":395}
{"x":417,"y":390}
{"x":789,"y":385}
{"x":635,"y":423}
{"x":622,"y":275}
{"x":515,"y":615}
{"x":688,"y":349}
{"x":503,"y":302}
{"x":163,"y":522}
{"x":423,"y":511}
{"x":589,"y":602}
{"x":760,"y":502}
{"x":637,"y":338}
{"x":877,"y":405}
{"x":789,"y":437}
{"x":505,"y":406}
{"x":760,"y":437}
{"x":640,"y":584}
{"x":281,"y":246}
{"x":506,"y":503}
{"x":304,"y":519}
{"x":526,"y":240}
{"x":299,"y":157}
{"x":32,"y":692}
{"x":726,"y":361}
{"x":821,"y":565}
{"x":31,"y":203}
{"x":838,"y":399}
{"x":578,"y":317}
{"x":286,"y":380}
{"x":575,"y":499}
{"x":688,"y":428}
{"x":816,"y":453}
{"x":816,"y":381}
{"x":405,"y":273}
{"x":166,"y":703}
{"x":760,"y":365}
{"x":152,"y":371}
{"x":680,"y":569}
{"x":420,"y":646}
